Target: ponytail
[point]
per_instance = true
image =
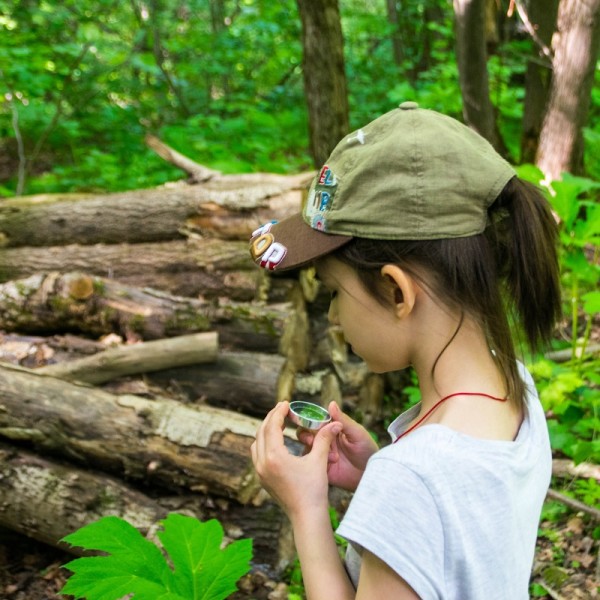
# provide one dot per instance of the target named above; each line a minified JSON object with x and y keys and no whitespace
{"x":524,"y":235}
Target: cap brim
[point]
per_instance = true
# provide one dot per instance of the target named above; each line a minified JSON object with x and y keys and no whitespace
{"x":303,"y":244}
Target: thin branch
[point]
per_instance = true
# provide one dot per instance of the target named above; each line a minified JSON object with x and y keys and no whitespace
{"x":197,"y":172}
{"x":594,"y":513}
{"x":20,"y":148}
{"x":547,"y":52}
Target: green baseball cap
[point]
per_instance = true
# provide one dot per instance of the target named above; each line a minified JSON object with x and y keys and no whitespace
{"x":411,"y":174}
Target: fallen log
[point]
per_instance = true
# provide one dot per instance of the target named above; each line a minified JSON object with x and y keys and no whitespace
{"x":240,"y":381}
{"x":46,"y":500}
{"x":204,"y":267}
{"x":138,"y":358}
{"x":160,"y":441}
{"x":149,"y":215}
{"x":76,"y":302}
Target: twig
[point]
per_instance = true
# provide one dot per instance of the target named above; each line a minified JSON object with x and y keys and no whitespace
{"x":574,"y":504}
{"x":566,"y":355}
{"x":20,"y":147}
{"x":547,"y":52}
{"x":198,"y":172}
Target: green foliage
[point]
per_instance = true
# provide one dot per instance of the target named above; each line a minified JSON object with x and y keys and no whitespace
{"x":220,"y":81}
{"x":200,"y":570}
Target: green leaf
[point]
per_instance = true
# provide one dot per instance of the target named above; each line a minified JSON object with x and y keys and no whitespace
{"x":134,"y":565}
{"x":591,"y":302}
{"x":208,"y":572}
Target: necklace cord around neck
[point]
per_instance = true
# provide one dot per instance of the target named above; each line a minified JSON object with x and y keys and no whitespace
{"x":484,"y":395}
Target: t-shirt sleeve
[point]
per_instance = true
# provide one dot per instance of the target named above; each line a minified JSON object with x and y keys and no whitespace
{"x":394,"y":516}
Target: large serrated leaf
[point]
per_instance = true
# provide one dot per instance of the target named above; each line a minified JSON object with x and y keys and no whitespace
{"x":134,"y":565}
{"x":207,"y":571}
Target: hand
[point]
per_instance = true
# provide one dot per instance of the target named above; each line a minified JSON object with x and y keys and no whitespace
{"x":349,"y":452}
{"x":297,"y":483}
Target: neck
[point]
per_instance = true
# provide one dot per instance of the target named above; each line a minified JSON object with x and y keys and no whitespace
{"x":466,"y":365}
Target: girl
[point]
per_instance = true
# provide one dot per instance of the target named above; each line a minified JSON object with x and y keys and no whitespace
{"x":434,"y":253}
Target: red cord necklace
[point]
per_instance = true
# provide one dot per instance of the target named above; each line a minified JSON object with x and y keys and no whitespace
{"x":443,"y":400}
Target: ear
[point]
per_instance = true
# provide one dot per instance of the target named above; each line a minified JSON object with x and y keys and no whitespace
{"x":404,"y":289}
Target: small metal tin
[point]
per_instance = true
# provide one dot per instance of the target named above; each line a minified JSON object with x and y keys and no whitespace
{"x":308,"y":415}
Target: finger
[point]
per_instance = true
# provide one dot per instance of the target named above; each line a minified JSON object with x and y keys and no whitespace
{"x":305,"y":436}
{"x":273,"y":426}
{"x":352,"y":429}
{"x":324,"y":439}
{"x":266,"y":424}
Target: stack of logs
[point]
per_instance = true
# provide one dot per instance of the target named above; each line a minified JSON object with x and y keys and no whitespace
{"x":140,"y":348}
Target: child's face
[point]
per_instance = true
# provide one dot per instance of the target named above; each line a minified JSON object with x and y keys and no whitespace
{"x":372,"y":330}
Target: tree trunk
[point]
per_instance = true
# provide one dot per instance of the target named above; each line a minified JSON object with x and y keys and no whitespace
{"x":575,"y":44}
{"x":152,"y":215}
{"x":324,"y":76}
{"x":46,"y":501}
{"x":471,"y":57}
{"x":158,"y":441}
{"x":392,"y":15}
{"x":541,"y":15}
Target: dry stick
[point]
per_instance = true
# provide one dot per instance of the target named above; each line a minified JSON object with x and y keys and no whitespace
{"x":567,"y":354}
{"x":198,"y":172}
{"x":574,"y":504}
{"x":145,"y":357}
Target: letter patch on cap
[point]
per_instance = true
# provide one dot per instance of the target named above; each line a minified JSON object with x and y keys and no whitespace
{"x":320,"y":198}
{"x":264,"y":250}
{"x":326,"y":176}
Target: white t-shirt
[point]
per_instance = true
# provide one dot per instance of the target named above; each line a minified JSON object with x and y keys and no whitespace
{"x":455,"y":516}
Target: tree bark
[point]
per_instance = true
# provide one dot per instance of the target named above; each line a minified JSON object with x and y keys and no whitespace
{"x":46,"y":500}
{"x":158,"y":441}
{"x":575,"y":44}
{"x":324,"y":76}
{"x":152,"y":215}
{"x":541,"y":15}
{"x":74,"y":302}
{"x":471,"y":57}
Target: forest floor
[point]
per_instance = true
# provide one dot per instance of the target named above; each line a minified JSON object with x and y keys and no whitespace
{"x":566,"y":564}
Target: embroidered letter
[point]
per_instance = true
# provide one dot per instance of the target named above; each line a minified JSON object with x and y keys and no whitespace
{"x":273,"y":256}
{"x":270,"y":252}
{"x":263,"y":229}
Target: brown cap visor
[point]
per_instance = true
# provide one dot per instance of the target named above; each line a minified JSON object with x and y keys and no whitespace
{"x":302,"y":243}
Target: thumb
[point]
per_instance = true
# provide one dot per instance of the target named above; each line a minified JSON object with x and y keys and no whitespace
{"x":349,"y":425}
{"x":325,"y":437}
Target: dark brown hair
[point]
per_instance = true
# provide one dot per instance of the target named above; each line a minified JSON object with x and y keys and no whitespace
{"x":505,"y":278}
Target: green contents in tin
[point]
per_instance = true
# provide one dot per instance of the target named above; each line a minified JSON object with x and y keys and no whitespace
{"x":314,"y":414}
